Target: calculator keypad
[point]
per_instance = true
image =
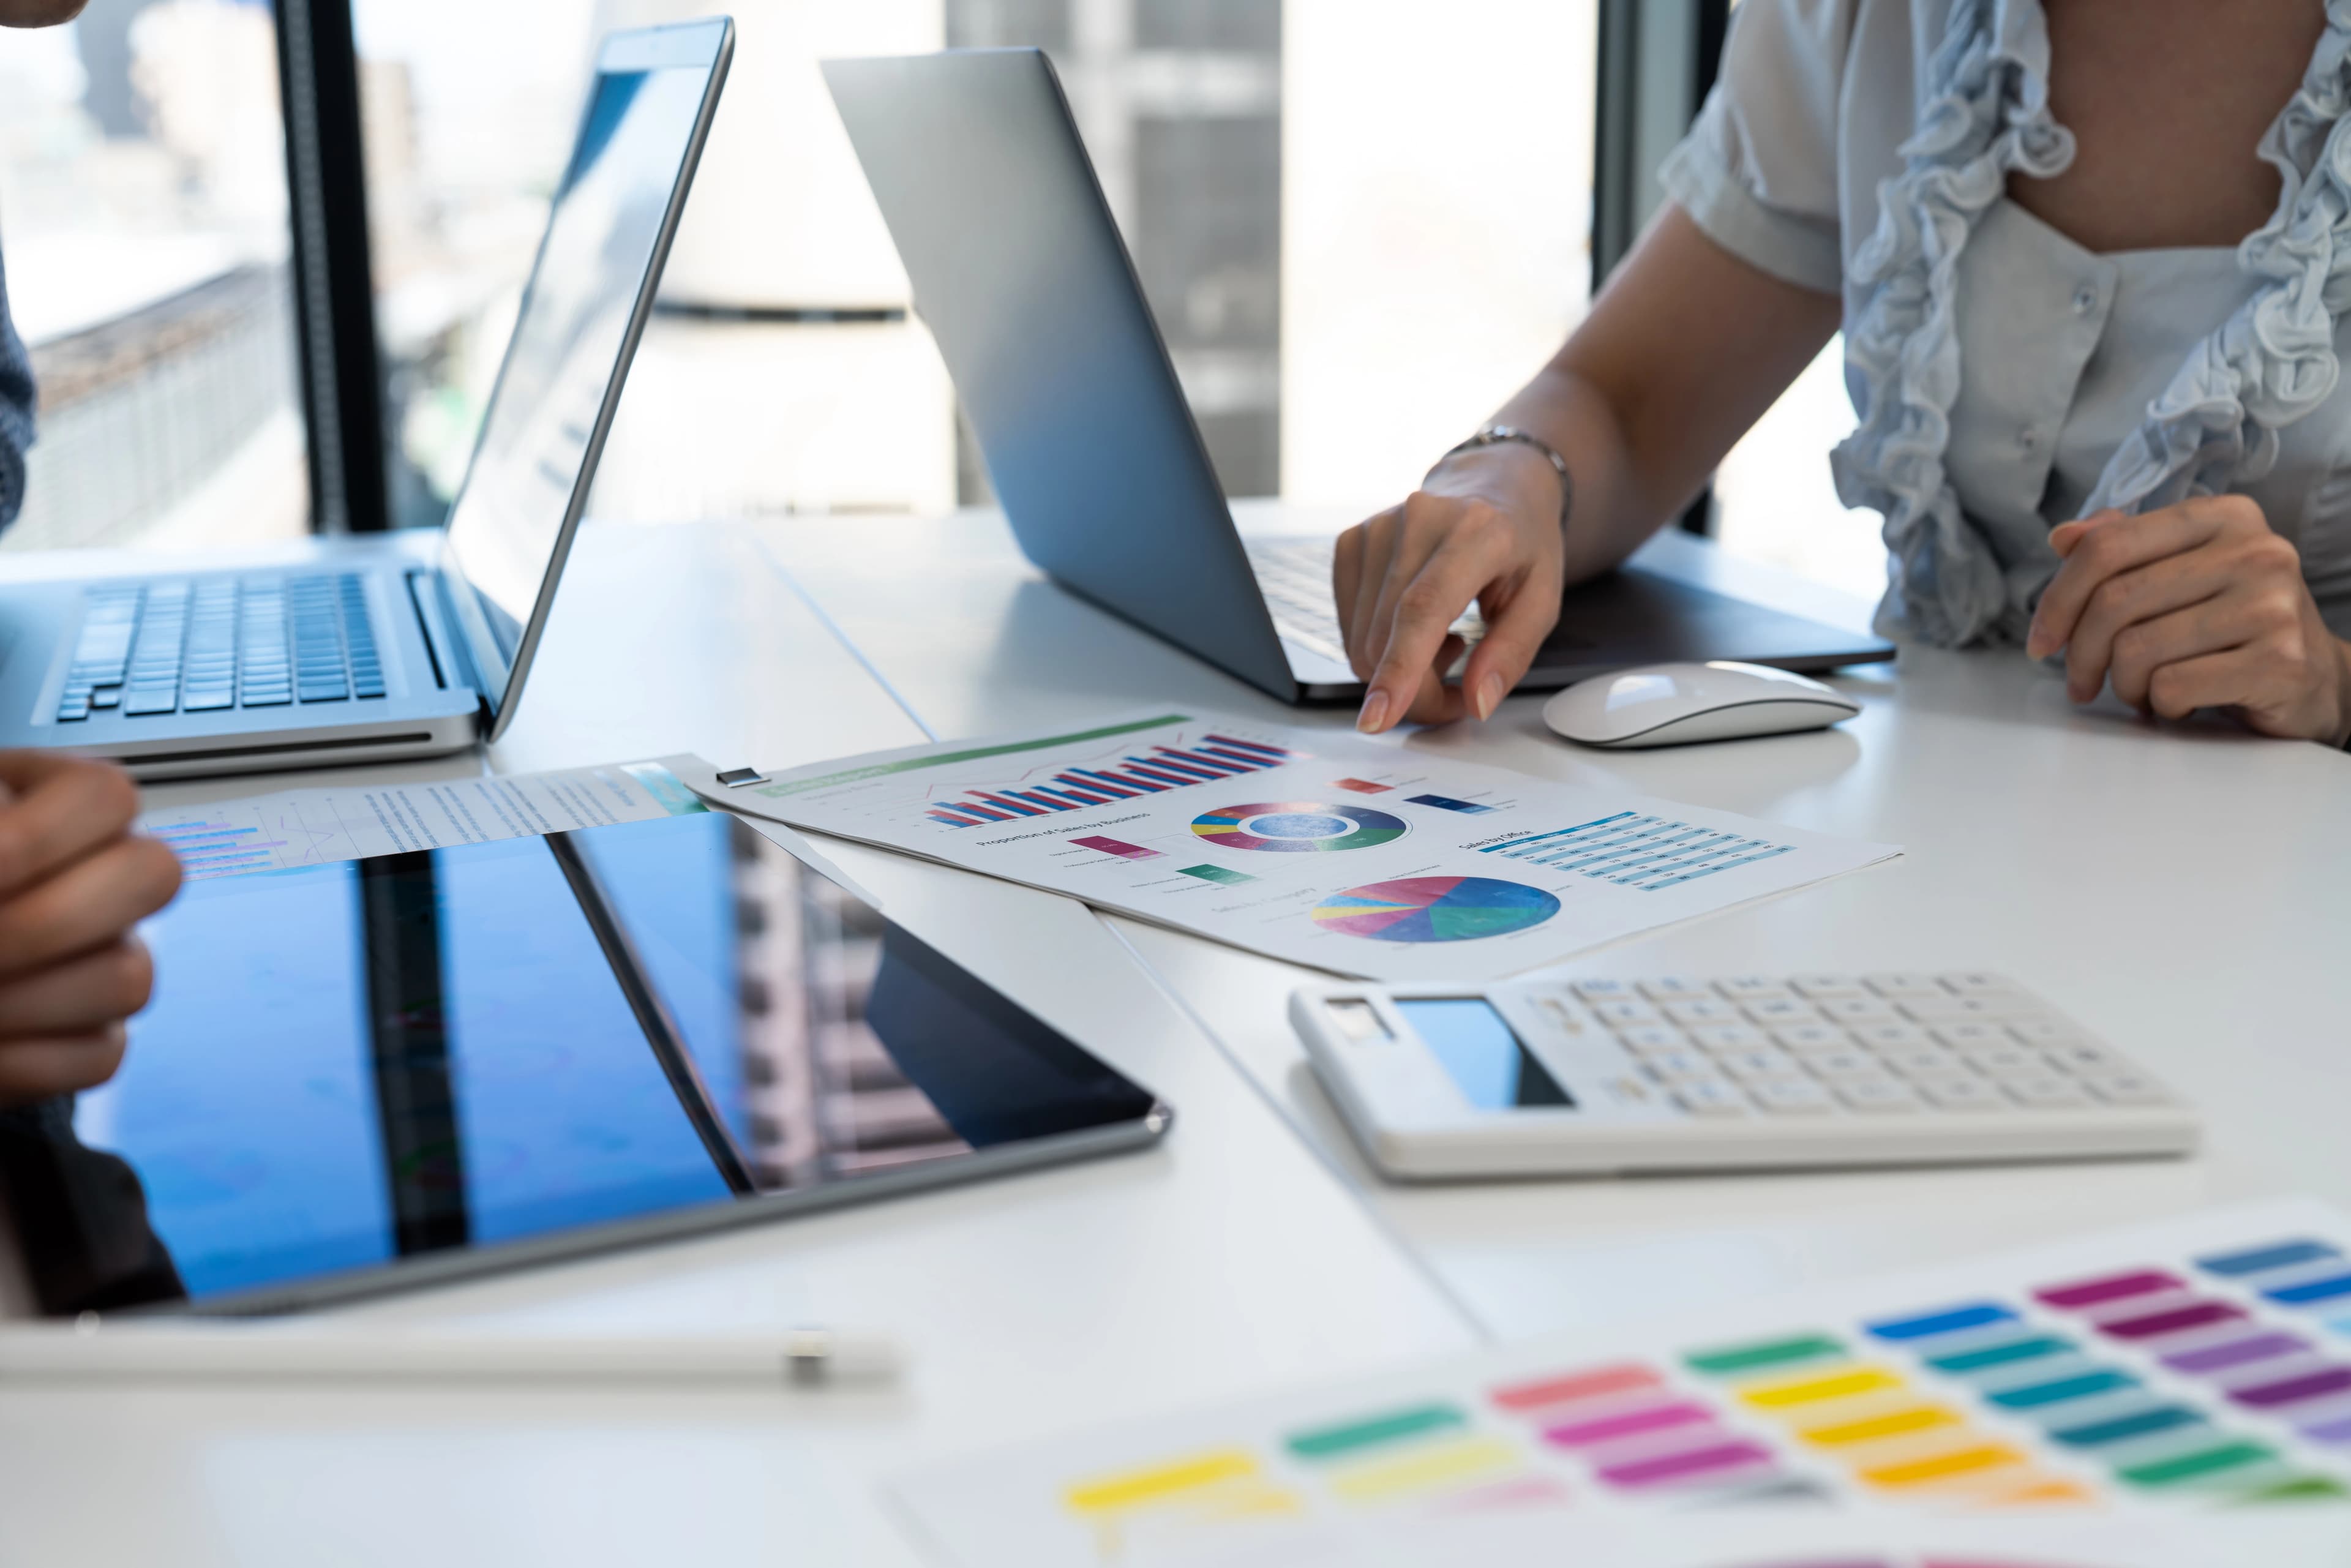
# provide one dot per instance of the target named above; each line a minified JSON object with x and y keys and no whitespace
{"x":1881,"y":1045}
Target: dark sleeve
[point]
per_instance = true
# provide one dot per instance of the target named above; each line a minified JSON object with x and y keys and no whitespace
{"x":17,"y":404}
{"x":80,"y":1218}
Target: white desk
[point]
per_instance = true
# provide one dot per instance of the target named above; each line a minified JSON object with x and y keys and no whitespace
{"x":2186,"y":893}
{"x":1229,"y":1259}
{"x":2183,"y":892}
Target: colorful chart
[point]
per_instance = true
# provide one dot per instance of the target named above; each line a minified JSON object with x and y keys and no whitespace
{"x":1435,"y":909}
{"x":1297,"y":827}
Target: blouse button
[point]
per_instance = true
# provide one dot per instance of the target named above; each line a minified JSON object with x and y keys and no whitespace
{"x":2028,"y":438}
{"x":2085,"y":300}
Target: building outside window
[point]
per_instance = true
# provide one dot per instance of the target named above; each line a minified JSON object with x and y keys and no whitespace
{"x":144,"y":222}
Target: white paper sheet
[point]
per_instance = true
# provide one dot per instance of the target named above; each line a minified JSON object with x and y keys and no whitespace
{"x":2191,"y":1370}
{"x":1363,"y":860}
{"x":317,"y":827}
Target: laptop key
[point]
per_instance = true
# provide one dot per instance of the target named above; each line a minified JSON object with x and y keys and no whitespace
{"x":199,"y":701}
{"x":144,"y":700}
{"x":105,"y":696}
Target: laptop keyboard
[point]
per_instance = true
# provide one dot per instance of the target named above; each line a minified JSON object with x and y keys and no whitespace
{"x":1294,"y":575}
{"x":218,"y":642}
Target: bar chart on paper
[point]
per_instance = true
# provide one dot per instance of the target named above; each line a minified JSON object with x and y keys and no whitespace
{"x":1144,"y":771}
{"x":2174,"y":1370}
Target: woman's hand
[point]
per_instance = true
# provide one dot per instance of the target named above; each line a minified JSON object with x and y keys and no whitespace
{"x":1485,"y":525}
{"x":74,"y":880}
{"x":2196,"y":605}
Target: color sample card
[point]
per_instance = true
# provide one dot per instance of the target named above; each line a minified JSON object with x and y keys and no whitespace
{"x":1317,"y":847}
{"x":2197,"y":1370}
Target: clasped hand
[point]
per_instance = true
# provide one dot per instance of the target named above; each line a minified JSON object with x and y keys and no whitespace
{"x":2196,"y":605}
{"x":74,"y":880}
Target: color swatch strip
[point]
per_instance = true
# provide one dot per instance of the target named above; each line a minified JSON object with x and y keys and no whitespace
{"x":1879,"y":1425}
{"x":2101,"y":1409}
{"x":1638,"y":1433}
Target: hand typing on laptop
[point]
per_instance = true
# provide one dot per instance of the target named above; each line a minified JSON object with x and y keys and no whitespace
{"x":74,"y":881}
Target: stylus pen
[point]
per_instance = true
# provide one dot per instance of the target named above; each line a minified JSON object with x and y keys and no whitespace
{"x":801,"y":1358}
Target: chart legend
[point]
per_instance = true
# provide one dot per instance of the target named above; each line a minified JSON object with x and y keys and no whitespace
{"x":1215,"y":873}
{"x":1448,"y":804}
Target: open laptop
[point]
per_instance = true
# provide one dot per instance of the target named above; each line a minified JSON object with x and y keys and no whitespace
{"x":1021,"y":275}
{"x":342,"y":650}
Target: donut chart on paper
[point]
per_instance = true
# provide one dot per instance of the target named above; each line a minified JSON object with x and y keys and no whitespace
{"x":1297,"y":827}
{"x":1435,"y":909}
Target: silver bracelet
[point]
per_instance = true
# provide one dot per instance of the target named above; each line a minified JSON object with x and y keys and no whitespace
{"x":1497,"y":434}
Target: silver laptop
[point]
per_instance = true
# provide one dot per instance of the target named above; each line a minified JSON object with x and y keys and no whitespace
{"x":1021,"y":273}
{"x":342,"y":651}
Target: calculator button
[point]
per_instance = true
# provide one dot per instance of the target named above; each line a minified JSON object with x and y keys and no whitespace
{"x":1711,"y":1097}
{"x":1818,"y":987}
{"x":1960,"y":1009}
{"x":1810,"y":1036}
{"x":2126,"y":1089}
{"x":1844,"y":1064}
{"x":1878,"y":1094}
{"x":1925,"y":1062}
{"x":1754,"y":1066}
{"x":1976,"y":984}
{"x":1891,"y":1036}
{"x":1754,"y":988}
{"x":1858,"y":1010}
{"x":2008,"y":1062}
{"x":1773,"y":1014}
{"x":2086,"y":1061}
{"x":1905,"y":985}
{"x":1674,"y":989}
{"x":1672,"y":1066}
{"x":2045,"y":1093}
{"x":2045,"y":1032}
{"x":1963,"y":1094}
{"x":1702,"y":1009}
{"x":1977,"y":1036}
{"x":1648,"y":1038}
{"x":1792,"y":1097}
{"x":1627,"y":1010}
{"x":1730,"y":1037}
{"x":1602,"y":990}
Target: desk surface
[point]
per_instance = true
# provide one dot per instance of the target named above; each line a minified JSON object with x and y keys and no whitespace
{"x":2183,"y":891}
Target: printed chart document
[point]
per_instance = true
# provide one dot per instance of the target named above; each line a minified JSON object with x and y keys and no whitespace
{"x":315,"y":827}
{"x":1363,"y":860}
{"x":2190,"y":1373}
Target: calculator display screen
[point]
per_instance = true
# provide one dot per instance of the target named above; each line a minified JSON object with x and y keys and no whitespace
{"x":1484,"y":1058}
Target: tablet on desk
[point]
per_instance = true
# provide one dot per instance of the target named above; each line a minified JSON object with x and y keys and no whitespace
{"x":389,"y":1071}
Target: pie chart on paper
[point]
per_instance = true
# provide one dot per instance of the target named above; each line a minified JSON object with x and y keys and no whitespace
{"x":1435,"y":909}
{"x":1297,"y":827}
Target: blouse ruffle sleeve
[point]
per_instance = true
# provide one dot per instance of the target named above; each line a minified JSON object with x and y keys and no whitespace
{"x":1758,"y":172}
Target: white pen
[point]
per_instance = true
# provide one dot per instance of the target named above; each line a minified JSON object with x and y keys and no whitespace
{"x":798,"y":1357}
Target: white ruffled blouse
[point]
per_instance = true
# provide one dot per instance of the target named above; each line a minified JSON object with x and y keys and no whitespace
{"x":2006,"y":379}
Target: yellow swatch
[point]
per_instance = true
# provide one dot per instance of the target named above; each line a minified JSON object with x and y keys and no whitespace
{"x":1427,"y":1467}
{"x":1942,"y":1467}
{"x":1870,"y":1429}
{"x":1813,"y":1389}
{"x":1137,"y":1487}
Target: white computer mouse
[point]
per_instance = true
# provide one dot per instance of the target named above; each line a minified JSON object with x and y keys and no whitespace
{"x":1673,"y":704}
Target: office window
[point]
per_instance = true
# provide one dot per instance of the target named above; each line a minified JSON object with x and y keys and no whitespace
{"x":1774,"y":500}
{"x":143,"y":222}
{"x":1359,"y":225}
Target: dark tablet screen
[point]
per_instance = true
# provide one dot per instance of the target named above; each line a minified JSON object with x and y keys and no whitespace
{"x":354,"y":1064}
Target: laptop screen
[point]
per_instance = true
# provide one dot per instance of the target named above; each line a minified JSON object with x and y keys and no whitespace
{"x":596,"y":271}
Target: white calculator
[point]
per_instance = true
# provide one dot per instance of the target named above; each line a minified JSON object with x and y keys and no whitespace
{"x":1540,"y":1077}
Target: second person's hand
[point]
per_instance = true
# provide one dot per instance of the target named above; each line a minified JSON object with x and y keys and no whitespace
{"x":1484,"y":526}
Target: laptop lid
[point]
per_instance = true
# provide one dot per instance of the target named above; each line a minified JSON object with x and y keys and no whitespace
{"x":583,"y":309}
{"x":1019,"y":273}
